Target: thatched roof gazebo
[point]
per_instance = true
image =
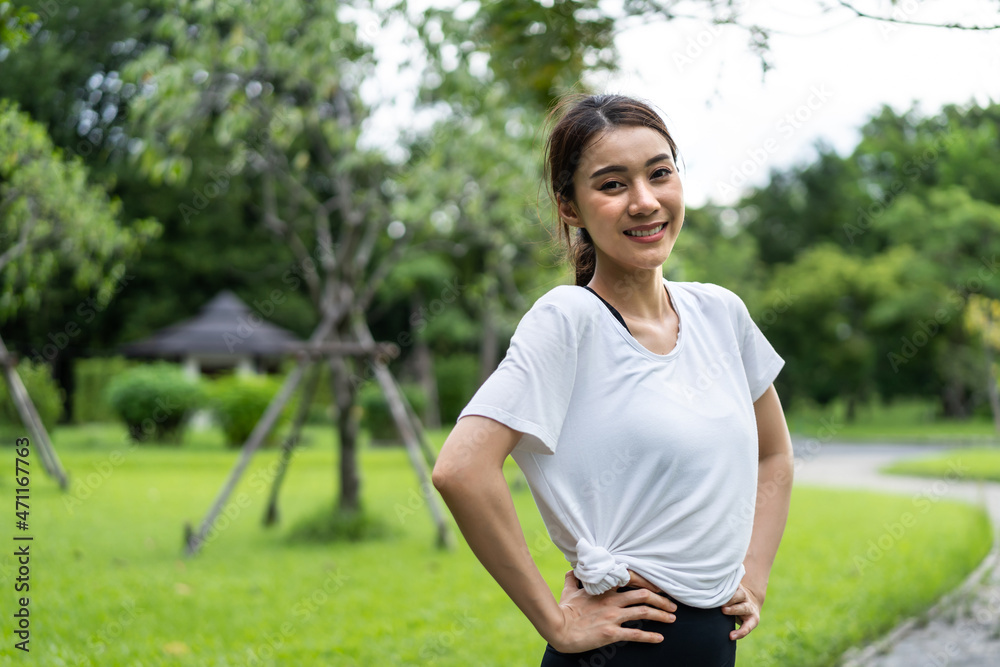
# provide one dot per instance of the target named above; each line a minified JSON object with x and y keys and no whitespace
{"x":226,"y":334}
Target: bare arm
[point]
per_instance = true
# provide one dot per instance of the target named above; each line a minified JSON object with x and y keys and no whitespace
{"x":774,"y":488}
{"x":469,"y":475}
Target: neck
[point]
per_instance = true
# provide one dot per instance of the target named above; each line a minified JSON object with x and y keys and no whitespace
{"x":637,"y":293}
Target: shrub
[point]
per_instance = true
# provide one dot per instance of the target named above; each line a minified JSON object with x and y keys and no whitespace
{"x":43,"y":390}
{"x":376,"y":416}
{"x":239,"y":401}
{"x":155,"y":401}
{"x":90,"y":379}
{"x":457,"y":379}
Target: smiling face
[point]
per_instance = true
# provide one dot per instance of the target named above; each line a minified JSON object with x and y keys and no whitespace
{"x":628,"y":196}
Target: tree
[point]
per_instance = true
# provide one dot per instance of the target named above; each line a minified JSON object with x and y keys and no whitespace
{"x":14,"y":22}
{"x":923,"y":183}
{"x":52,"y":219}
{"x":982,"y":319}
{"x":274,"y":87}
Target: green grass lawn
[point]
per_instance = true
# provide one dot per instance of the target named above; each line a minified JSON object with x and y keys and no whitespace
{"x":903,"y":420}
{"x":109,"y":585}
{"x":963,"y":463}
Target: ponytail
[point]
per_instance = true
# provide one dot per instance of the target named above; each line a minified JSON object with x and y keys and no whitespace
{"x":584,"y":257}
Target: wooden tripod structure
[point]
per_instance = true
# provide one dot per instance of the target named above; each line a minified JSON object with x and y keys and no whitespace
{"x":29,"y":416}
{"x":324,"y":344}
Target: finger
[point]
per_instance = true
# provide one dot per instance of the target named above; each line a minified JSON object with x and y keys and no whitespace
{"x":745,"y":627}
{"x":634,"y":635}
{"x":640,"y":581}
{"x":740,"y":609}
{"x":570,"y":583}
{"x":642,"y":612}
{"x":739,"y":596}
{"x":645,"y":597}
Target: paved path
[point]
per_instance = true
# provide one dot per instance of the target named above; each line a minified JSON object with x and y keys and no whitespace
{"x":962,"y":629}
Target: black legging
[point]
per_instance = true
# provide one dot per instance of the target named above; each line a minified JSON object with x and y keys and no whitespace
{"x":697,"y":638}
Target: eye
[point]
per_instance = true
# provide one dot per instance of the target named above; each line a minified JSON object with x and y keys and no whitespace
{"x":662,"y":172}
{"x":610,"y":185}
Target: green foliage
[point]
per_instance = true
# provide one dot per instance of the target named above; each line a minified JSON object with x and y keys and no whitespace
{"x":376,"y":416}
{"x":55,"y":220}
{"x":90,"y":378}
{"x":877,"y":256}
{"x":905,"y":419}
{"x":969,"y":463}
{"x":328,"y":525}
{"x":545,"y":48}
{"x":14,"y":22}
{"x":154,"y":401}
{"x":239,"y":401}
{"x":457,"y":379}
{"x":44,"y":393}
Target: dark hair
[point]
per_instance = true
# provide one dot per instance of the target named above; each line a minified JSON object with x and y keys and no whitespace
{"x":580,"y":118}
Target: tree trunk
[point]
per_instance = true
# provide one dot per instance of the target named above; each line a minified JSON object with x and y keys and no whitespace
{"x":62,"y":373}
{"x":488,"y":343}
{"x":991,"y":385}
{"x":952,"y":400}
{"x":347,"y":430}
{"x":423,"y":364}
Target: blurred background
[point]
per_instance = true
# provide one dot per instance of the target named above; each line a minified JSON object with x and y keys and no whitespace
{"x":190,"y":191}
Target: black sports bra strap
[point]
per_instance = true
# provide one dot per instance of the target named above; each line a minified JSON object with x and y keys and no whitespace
{"x":614,"y":311}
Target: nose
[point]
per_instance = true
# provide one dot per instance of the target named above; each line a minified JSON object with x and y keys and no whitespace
{"x":643,"y":200}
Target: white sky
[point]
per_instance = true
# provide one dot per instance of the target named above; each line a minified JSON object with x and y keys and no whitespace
{"x":720,"y":111}
{"x":831,"y":71}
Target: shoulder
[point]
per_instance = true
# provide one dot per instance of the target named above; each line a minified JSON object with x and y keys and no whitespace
{"x":566,"y":298}
{"x":565,"y":307}
{"x":709,"y":296}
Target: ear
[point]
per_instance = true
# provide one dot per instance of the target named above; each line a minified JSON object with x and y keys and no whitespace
{"x":568,"y":212}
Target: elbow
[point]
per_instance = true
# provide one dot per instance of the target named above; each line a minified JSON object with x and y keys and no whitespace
{"x":447,"y":475}
{"x":441,"y":476}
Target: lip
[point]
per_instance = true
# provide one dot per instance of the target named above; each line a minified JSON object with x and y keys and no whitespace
{"x":647,"y":239}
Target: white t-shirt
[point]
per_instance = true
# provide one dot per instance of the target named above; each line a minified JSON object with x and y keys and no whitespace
{"x":638,"y":460}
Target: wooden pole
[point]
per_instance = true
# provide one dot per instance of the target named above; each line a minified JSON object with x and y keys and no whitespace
{"x":194,"y":540}
{"x":401,"y":416}
{"x":271,"y":513}
{"x":31,"y":419}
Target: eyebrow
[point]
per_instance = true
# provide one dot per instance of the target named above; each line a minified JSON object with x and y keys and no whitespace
{"x":618,"y":167}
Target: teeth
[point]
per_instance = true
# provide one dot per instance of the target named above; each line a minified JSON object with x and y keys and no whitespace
{"x":649,"y":232}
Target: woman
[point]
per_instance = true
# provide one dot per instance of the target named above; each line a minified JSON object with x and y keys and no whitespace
{"x":643,"y":415}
